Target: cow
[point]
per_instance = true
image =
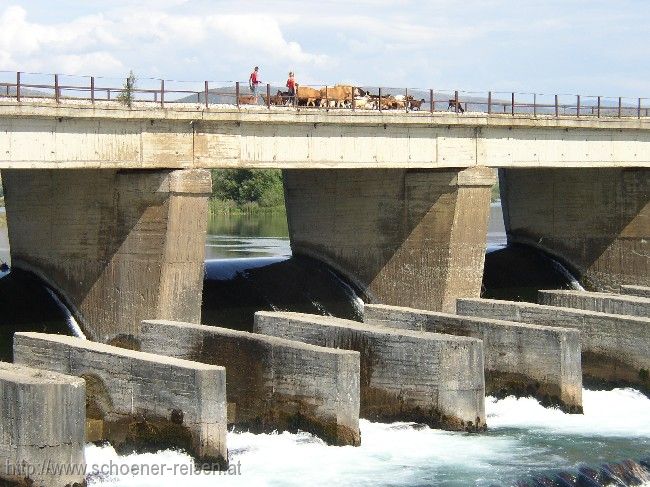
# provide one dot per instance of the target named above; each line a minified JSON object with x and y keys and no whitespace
{"x":307,"y":96}
{"x":247,"y":100}
{"x":415,"y":104}
{"x":456,"y":105}
{"x":364,"y":102}
{"x":274,"y":99}
{"x":340,"y":95}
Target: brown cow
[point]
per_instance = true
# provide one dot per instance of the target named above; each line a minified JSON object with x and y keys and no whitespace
{"x":416,"y":104}
{"x":307,"y":96}
{"x":274,"y":99}
{"x":247,"y":100}
{"x":338,"y":96}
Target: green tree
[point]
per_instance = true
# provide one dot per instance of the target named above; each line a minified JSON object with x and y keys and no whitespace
{"x":244,"y":187}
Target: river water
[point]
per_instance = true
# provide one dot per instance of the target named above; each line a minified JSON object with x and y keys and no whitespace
{"x":249,"y":267}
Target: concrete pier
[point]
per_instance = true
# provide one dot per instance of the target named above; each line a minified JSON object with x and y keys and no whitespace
{"x":520,"y":358}
{"x":118,"y":246}
{"x":641,"y":291}
{"x":139,"y":400}
{"x":405,"y":375}
{"x":593,"y":220}
{"x":405,"y":237}
{"x":616,"y":304}
{"x":42,"y":432}
{"x":273,"y":383}
{"x":615,"y":348}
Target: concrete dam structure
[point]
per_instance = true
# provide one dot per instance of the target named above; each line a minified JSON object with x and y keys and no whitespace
{"x":108,"y":204}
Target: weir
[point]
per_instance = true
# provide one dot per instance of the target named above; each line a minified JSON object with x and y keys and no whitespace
{"x":273,"y":384}
{"x":602,"y":302}
{"x":520,"y":358}
{"x":615,"y":348}
{"x":405,"y":375}
{"x":139,"y":400}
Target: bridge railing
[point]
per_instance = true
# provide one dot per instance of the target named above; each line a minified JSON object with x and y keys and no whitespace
{"x":273,"y":96}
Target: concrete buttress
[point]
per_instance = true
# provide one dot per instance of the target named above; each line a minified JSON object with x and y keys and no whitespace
{"x":118,"y":246}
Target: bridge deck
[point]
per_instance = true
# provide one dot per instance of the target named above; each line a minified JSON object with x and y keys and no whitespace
{"x":40,"y":133}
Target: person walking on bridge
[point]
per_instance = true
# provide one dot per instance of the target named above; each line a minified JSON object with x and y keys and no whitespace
{"x":291,"y":85}
{"x":254,"y":81}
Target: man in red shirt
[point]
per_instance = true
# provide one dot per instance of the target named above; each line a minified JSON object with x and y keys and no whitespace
{"x":291,"y":84}
{"x":253,"y":81}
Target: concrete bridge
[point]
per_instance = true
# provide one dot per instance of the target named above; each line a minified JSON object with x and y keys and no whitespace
{"x":109,"y":204}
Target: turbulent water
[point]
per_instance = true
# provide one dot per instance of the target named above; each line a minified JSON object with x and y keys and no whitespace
{"x":525,"y":443}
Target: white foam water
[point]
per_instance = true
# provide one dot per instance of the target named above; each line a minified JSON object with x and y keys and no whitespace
{"x":524,"y":439}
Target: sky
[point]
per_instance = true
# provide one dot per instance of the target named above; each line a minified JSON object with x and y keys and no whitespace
{"x":591,"y":47}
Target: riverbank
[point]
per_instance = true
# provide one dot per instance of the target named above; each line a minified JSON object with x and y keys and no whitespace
{"x":230,"y":207}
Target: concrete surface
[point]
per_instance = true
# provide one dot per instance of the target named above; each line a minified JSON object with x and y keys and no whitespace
{"x":118,"y":246}
{"x":641,"y":291}
{"x":41,"y":134}
{"x":42,"y":432}
{"x":139,"y":400}
{"x":595,"y":221}
{"x":404,"y":237}
{"x":521,"y":359}
{"x":405,"y":375}
{"x":603,"y":302}
{"x":273,"y":384}
{"x":615,"y":348}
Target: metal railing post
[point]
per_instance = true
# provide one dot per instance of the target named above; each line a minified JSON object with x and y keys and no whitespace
{"x":108,"y":94}
{"x":237,"y":93}
{"x":268,"y":96}
{"x":489,"y":107}
{"x":557,"y":108}
{"x":206,"y":92}
{"x":578,"y":105}
{"x":56,"y":88}
{"x":456,"y":104}
{"x":431,"y":101}
{"x":162,"y":93}
{"x":512,"y":104}
{"x":18,"y":86}
{"x":620,"y":105}
{"x":598,"y":108}
{"x":406,"y":99}
{"x":380,"y":99}
{"x":92,"y":90}
{"x":353,"y":103}
{"x":534,"y":104}
{"x":638,"y":111}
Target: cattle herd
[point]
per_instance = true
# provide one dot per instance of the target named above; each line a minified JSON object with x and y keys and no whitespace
{"x":342,"y":96}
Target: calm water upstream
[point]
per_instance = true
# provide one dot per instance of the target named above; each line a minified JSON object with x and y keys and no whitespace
{"x":249,"y":267}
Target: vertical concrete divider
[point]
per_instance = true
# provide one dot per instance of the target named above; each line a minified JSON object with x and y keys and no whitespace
{"x":519,"y":358}
{"x":405,"y":375}
{"x":273,"y":383}
{"x":641,"y":291}
{"x":139,"y":400}
{"x":42,"y":427}
{"x":616,"y":304}
{"x":615,"y":348}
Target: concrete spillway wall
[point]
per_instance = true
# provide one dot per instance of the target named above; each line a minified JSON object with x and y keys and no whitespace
{"x":519,"y":358}
{"x":641,"y":291}
{"x":615,"y":348}
{"x":273,"y":383}
{"x":42,"y":427}
{"x":601,"y":302}
{"x":405,"y":375}
{"x":139,"y":400}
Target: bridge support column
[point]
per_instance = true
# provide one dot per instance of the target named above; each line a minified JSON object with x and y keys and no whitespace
{"x":596,"y":220}
{"x":118,"y":246}
{"x":405,"y":237}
